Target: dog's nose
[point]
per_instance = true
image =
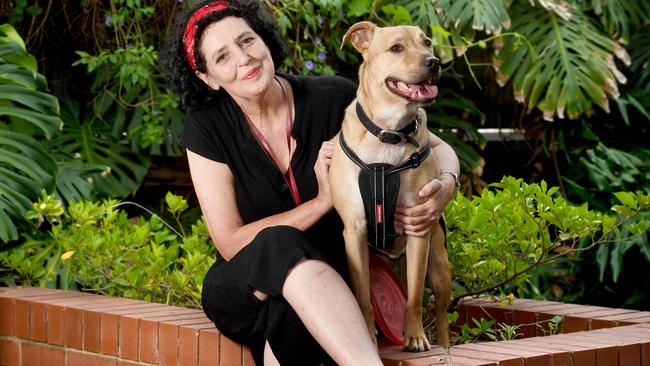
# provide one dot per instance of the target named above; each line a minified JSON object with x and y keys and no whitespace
{"x":432,"y":62}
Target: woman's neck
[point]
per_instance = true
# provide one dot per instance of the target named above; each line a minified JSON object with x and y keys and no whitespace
{"x":271,"y":103}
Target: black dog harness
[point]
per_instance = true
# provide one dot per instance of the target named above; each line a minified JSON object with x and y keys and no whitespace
{"x":378,"y":183}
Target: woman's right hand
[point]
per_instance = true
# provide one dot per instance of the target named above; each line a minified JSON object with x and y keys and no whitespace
{"x":321,"y":168}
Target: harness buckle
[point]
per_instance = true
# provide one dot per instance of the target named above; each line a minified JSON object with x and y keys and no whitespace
{"x":391,"y":137}
{"x":415,"y":160}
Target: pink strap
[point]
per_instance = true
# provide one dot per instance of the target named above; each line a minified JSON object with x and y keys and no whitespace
{"x":291,"y":180}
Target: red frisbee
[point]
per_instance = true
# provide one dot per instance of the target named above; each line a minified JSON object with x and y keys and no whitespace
{"x":388,"y":299}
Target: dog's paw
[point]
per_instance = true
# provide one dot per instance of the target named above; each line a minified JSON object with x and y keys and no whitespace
{"x":418,"y":343}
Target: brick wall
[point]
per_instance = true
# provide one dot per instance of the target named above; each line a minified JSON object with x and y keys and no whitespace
{"x":64,"y":328}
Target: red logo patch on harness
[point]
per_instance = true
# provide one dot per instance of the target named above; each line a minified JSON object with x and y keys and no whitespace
{"x":379,"y":214}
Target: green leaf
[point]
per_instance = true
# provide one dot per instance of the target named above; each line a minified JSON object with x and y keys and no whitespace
{"x":124,"y":170}
{"x":573,"y":71}
{"x":358,"y":8}
{"x":470,"y":16}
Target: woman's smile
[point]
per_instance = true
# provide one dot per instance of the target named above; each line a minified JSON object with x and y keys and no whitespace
{"x":252,"y":73}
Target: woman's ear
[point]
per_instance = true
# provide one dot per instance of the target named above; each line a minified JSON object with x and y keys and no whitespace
{"x":207,"y":80}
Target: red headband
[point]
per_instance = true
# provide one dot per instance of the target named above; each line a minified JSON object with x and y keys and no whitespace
{"x":189,"y":40}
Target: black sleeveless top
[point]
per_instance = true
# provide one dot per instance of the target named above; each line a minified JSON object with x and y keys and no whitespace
{"x":220,"y":132}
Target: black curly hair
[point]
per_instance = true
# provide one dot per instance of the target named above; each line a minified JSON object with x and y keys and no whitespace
{"x":180,"y":76}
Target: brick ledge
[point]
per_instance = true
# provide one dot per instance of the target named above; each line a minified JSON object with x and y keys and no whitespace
{"x":65,"y":328}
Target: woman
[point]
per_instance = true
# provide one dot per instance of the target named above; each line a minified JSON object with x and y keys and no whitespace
{"x":257,"y":148}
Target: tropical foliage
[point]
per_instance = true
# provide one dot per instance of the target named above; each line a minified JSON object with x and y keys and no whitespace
{"x":27,"y":112}
{"x":582,"y":64}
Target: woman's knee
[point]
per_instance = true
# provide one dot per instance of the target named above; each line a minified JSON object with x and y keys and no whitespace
{"x":279,"y":235}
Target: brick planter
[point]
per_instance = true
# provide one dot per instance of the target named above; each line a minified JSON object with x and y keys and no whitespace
{"x":64,"y":328}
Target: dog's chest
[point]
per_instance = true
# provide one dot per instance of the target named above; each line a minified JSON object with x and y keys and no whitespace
{"x":375,"y":151}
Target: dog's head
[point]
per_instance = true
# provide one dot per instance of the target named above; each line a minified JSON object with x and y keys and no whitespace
{"x":398,"y":63}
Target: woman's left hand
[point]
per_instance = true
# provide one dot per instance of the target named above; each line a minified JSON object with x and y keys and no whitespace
{"x":418,"y":220}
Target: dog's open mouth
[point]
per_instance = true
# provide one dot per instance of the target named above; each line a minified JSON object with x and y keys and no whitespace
{"x":423,"y":92}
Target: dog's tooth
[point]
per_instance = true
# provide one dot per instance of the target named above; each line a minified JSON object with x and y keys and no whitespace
{"x":402,"y":85}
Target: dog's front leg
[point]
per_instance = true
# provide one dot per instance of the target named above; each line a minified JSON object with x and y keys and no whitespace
{"x":356,"y":237}
{"x":417,"y":253}
{"x":439,"y":274}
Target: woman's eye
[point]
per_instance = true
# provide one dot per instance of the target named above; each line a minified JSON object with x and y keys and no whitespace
{"x":247,"y":40}
{"x":396,"y":48}
{"x":220,"y":58}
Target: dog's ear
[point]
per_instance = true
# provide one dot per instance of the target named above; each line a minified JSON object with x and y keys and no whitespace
{"x":360,"y":34}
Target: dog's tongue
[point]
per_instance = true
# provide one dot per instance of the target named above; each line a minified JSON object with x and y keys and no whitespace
{"x":421,"y":91}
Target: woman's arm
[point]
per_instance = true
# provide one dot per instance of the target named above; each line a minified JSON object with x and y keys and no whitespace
{"x":418,"y":220}
{"x":215,"y":189}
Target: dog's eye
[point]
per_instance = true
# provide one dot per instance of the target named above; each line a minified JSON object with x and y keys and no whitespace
{"x":396,"y":48}
{"x":427,"y":43}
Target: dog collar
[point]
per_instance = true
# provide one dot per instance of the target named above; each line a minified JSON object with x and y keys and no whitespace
{"x":389,"y":136}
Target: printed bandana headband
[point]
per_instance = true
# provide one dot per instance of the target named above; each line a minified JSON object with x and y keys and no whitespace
{"x":189,"y":37}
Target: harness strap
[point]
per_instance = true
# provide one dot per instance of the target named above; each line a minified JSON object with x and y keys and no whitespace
{"x":388,"y":136}
{"x":412,"y":162}
{"x":379,"y":188}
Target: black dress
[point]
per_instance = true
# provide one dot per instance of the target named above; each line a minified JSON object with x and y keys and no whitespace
{"x":219,"y":132}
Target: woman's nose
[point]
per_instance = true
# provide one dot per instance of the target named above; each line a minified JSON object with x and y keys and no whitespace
{"x":243,"y":58}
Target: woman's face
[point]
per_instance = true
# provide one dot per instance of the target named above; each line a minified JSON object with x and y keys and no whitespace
{"x":236,"y":58}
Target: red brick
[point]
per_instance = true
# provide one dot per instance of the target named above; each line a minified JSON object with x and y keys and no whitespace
{"x":22,"y":318}
{"x":209,"y":348}
{"x":148,"y":351}
{"x":645,"y":354}
{"x":458,"y":360}
{"x":247,"y":357}
{"x":34,"y":354}
{"x":128,"y":335}
{"x":24,"y":292}
{"x":607,"y":312}
{"x":533,"y":357}
{"x":626,"y":316}
{"x":129,"y":324}
{"x":168,"y":344}
{"x":91,"y":331}
{"x":126,"y":363}
{"x":643,"y":319}
{"x":575,"y":324}
{"x":7,"y":324}
{"x":581,"y":355}
{"x":607,"y":356}
{"x":230,"y":352}
{"x":600,"y":324}
{"x":38,"y":321}
{"x":55,"y":325}
{"x":73,"y":328}
{"x":76,"y":358}
{"x":559,"y":356}
{"x":527,"y":321}
{"x":109,"y":334}
{"x":467,"y":351}
{"x":188,"y":343}
{"x":629,"y":355}
{"x":9,"y":352}
{"x":168,"y":339}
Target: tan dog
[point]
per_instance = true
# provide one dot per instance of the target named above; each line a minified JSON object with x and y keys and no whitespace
{"x":398,"y":74}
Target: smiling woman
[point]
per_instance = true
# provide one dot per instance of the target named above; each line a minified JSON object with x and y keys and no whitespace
{"x":258,"y":154}
{"x":258,"y":149}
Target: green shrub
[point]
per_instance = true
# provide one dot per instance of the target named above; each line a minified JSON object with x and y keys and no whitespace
{"x":496,"y":239}
{"x":96,"y":246}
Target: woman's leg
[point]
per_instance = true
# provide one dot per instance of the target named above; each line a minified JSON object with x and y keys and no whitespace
{"x":327,"y":307}
{"x":269,"y":357}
